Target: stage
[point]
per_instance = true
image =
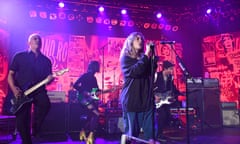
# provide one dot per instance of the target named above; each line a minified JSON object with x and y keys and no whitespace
{"x":223,"y":135}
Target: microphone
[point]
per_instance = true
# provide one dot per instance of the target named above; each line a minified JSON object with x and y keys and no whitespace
{"x":167,"y":42}
{"x":151,"y":45}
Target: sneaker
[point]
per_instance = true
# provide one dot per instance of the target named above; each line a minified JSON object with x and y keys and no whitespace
{"x":82,"y":135}
{"x":90,"y":138}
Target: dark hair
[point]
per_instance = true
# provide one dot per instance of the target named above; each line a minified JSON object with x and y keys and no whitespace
{"x":93,"y":66}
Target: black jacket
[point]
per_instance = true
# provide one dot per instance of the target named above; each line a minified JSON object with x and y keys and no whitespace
{"x":135,"y":92}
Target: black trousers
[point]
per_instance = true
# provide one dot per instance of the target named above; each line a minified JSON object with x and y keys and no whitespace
{"x":41,"y":106}
{"x":164,"y":116}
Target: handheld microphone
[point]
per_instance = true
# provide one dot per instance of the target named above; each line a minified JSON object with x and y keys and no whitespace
{"x":151,"y":45}
{"x":167,"y":42}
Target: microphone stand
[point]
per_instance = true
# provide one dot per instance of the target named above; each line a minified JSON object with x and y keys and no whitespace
{"x":151,"y":88}
{"x":187,"y":76}
{"x":103,"y":48}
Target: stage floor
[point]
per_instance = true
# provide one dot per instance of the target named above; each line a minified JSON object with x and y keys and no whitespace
{"x":230,"y":135}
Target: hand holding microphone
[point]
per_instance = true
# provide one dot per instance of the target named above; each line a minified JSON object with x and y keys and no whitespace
{"x":149,"y":48}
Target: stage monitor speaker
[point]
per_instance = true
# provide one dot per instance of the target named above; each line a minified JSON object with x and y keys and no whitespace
{"x":56,"y":120}
{"x":206,"y":101}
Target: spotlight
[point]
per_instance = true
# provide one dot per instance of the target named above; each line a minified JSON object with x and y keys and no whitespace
{"x":123,"y":23}
{"x":101,"y":9}
{"x":90,"y":19}
{"x":114,"y":21}
{"x":168,"y":27}
{"x":209,"y":11}
{"x":61,"y":4}
{"x":123,"y":11}
{"x":71,"y":17}
{"x":53,"y":16}
{"x":159,"y":15}
{"x":106,"y":21}
{"x":154,"y":26}
{"x":32,"y":13}
{"x":175,"y":28}
{"x":43,"y":14}
{"x":61,"y":15}
{"x":161,"y":26}
{"x":99,"y":20}
{"x":131,"y":23}
{"x":146,"y":25}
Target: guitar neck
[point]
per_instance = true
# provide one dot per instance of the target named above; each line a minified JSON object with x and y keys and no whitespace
{"x":30,"y":90}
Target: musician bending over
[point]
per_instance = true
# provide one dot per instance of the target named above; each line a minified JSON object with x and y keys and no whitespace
{"x":166,"y":95}
{"x":26,"y":70}
{"x":87,"y":84}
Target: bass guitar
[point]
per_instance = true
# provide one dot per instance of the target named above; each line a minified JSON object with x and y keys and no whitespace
{"x":163,"y":98}
{"x":18,"y":102}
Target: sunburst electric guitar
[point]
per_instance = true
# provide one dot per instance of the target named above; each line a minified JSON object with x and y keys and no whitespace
{"x":18,"y":102}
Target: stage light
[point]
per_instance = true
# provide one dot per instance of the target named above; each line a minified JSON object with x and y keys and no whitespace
{"x":209,"y":11}
{"x":123,"y":23}
{"x":71,"y":17}
{"x":32,"y":13}
{"x":168,"y":27}
{"x":146,"y":25}
{"x":161,"y":26}
{"x":101,"y":9}
{"x":106,"y":21}
{"x":114,"y":21}
{"x":154,"y":26}
{"x":175,"y":28}
{"x":123,"y":11}
{"x":90,"y":19}
{"x":61,"y":15}
{"x":131,"y":23}
{"x":53,"y":16}
{"x":99,"y":20}
{"x":159,"y":15}
{"x":43,"y":14}
{"x":61,"y":4}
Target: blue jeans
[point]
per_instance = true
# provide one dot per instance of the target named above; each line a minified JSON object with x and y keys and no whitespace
{"x":134,"y":121}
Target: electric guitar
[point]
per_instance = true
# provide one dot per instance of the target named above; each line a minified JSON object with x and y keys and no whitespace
{"x":19,"y":101}
{"x":163,"y":98}
{"x":86,"y":98}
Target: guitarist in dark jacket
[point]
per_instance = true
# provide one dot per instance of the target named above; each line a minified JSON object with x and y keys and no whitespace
{"x":26,"y":70}
{"x":165,"y":90}
{"x":84,"y":85}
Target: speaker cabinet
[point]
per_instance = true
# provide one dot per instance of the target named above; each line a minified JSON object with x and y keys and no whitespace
{"x":206,"y":100}
{"x":56,"y":119}
{"x":230,"y":117}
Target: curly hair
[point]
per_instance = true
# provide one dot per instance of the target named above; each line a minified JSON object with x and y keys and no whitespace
{"x":128,"y":50}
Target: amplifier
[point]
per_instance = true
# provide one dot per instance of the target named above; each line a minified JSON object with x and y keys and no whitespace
{"x":230,"y":117}
{"x":56,"y":96}
{"x":229,"y":105}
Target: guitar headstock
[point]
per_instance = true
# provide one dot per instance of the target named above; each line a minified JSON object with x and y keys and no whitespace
{"x":61,"y":72}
